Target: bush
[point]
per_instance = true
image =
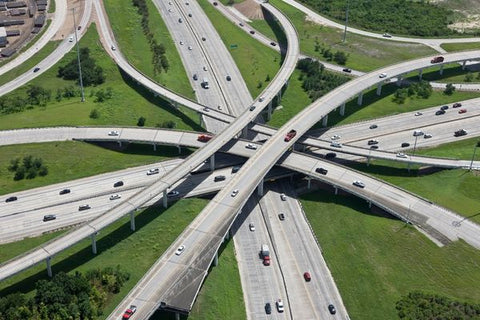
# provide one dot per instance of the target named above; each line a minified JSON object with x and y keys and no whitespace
{"x":449,"y":89}
{"x":94,"y":114}
{"x":141,"y":121}
{"x":28,"y":168}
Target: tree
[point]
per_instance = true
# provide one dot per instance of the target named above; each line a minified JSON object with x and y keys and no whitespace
{"x":449,"y":89}
{"x":340,"y":57}
{"x":141,"y":121}
{"x":469,"y":77}
{"x":400,"y":95}
{"x":94,"y":114}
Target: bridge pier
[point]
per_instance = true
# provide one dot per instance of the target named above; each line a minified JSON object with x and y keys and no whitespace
{"x":441,"y":69}
{"x":227,"y":236}
{"x":360,"y":98}
{"x":336,"y":190}
{"x":309,"y":182}
{"x":399,"y":80}
{"x":420,"y":72}
{"x":94,"y":243}
{"x":200,"y":119}
{"x":165,"y":199}
{"x":464,"y":64}
{"x":215,"y":259}
{"x":368,"y":161}
{"x":177,"y":316}
{"x":325,"y":120}
{"x":212,"y":162}
{"x":132,"y":220}
{"x":269,"y":110}
{"x":119,"y":143}
{"x":379,"y":89}
{"x":260,"y":189}
{"x":279,"y":96}
{"x":245,"y":132}
{"x":154,"y":147}
{"x":342,"y":109}
{"x":370,"y":204}
{"x":49,"y":267}
{"x":179,"y":147}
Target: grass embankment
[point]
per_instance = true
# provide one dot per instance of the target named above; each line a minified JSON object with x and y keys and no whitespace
{"x":386,"y":258}
{"x":378,"y":106}
{"x":364,"y":53}
{"x":126,"y":25}
{"x":452,"y":47}
{"x":253,"y":59}
{"x":129,"y":102}
{"x":452,"y":73}
{"x":73,"y":160}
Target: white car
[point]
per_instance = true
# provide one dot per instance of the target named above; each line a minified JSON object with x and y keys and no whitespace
{"x":382,"y":75}
{"x":283,"y":197}
{"x":181,"y":43}
{"x":418,"y":113}
{"x":189,"y":47}
{"x":113,"y":48}
{"x":251,"y":226}
{"x":401,"y":155}
{"x":173,"y":193}
{"x":336,"y":145}
{"x":113,"y":133}
{"x":153,"y":171}
{"x":234,"y":193}
{"x":387,"y":35}
{"x":180,"y":250}
{"x":251,"y":146}
{"x":70,"y":39}
{"x":205,"y":68}
{"x":358,"y":183}
{"x":115,"y":197}
{"x":335,"y":137}
{"x":280,"y":306}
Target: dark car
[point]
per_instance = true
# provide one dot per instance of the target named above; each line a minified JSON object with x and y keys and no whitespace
{"x":321,"y":170}
{"x":372,"y":141}
{"x":273,"y":43}
{"x":118,"y":184}
{"x":307,"y":276}
{"x":64,"y":191}
{"x":268,"y":308}
{"x":281,"y":216}
{"x":79,"y":27}
{"x":439,"y":112}
{"x":215,"y":3}
{"x":347,"y":70}
{"x":11,"y":199}
{"x":229,"y":78}
{"x":405,"y":144}
{"x":49,"y":217}
{"x":252,"y":32}
{"x":444,"y":108}
{"x":331,"y":308}
{"x":219,"y":178}
{"x":36,"y":69}
{"x":252,"y":108}
{"x":374,"y":147}
{"x":457,"y":105}
{"x":84,"y":207}
{"x":373,"y":126}
{"x":235,"y":169}
{"x":461,"y":132}
{"x":203,"y":38}
{"x":330,"y":155}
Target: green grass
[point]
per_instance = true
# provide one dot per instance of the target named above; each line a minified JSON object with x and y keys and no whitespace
{"x":135,"y":251}
{"x":452,"y":47}
{"x":129,"y":101}
{"x":365,"y":53}
{"x":73,"y":160}
{"x":126,"y":25}
{"x":452,"y":73}
{"x":254,"y":60}
{"x":375,"y":260}
{"x":378,"y":106}
{"x":51,"y":6}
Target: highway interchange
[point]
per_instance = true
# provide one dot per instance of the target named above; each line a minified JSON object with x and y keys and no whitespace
{"x":269,"y":153}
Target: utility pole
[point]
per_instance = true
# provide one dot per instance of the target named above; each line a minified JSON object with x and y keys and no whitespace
{"x":346,"y":23}
{"x":473,"y":156}
{"x":78,"y":57}
{"x":413,"y":153}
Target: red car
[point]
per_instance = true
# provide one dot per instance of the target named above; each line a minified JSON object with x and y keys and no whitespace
{"x":462,"y":110}
{"x":290,"y":135}
{"x":307,"y":276}
{"x":266,"y":261}
{"x":204,"y":137}
{"x":437,"y":59}
{"x":129,"y":312}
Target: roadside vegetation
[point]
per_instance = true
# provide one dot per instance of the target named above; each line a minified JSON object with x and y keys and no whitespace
{"x":363,"y":53}
{"x":387,"y":259}
{"x":67,"y":109}
{"x":452,"y":47}
{"x":139,"y":39}
{"x":452,"y":73}
{"x":391,"y":16}
{"x":258,"y":64}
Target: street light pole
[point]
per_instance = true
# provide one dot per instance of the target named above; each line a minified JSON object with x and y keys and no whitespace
{"x":78,"y":57}
{"x":413,"y":153}
{"x":473,"y":156}
{"x":346,"y":23}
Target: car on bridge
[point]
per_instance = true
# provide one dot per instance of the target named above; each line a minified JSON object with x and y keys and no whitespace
{"x":204,"y":137}
{"x":36,"y":69}
{"x":251,"y":146}
{"x":281,"y":216}
{"x":372,"y":142}
{"x":418,"y":113}
{"x":84,"y":207}
{"x":387,"y":35}
{"x":129,"y":312}
{"x":153,"y":171}
{"x":439,"y":112}
{"x":49,"y":217}
{"x":219,"y":178}
{"x":445,"y":107}
{"x":336,"y":145}
{"x":348,"y":70}
{"x":268,"y":308}
{"x":113,"y":133}
{"x":405,"y":144}
{"x":373,"y":126}
{"x":461,"y":132}
{"x":456,"y":105}
{"x":321,"y":171}
{"x":331,"y":308}
{"x":462,"y":111}
{"x":234,"y":193}
{"x":437,"y":59}
{"x":307,"y":276}
{"x":180,"y":250}
{"x":290,"y":135}
{"x":382,"y":75}
{"x":280,"y":306}
{"x":427,"y":136}
{"x":335,"y":137}
{"x":283,"y":197}
{"x":64,"y":191}
{"x":10,"y":199}
{"x":358,"y":183}
{"x":115,"y":196}
{"x":118,"y":184}
{"x":251,"y":226}
{"x":173,"y":193}
{"x":401,"y":155}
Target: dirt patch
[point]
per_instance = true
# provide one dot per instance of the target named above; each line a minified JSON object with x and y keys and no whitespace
{"x":67,"y":27}
{"x":250,"y":9}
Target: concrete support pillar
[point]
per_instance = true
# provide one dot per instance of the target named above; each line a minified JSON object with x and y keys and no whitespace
{"x":227,"y":236}
{"x":175,"y":105}
{"x":370,"y":204}
{"x":360,"y":98}
{"x":179,"y":147}
{"x":94,"y":244}
{"x":336,"y":190}
{"x":342,"y":109}
{"x":379,"y":88}
{"x":279,"y":96}
{"x":399,"y":80}
{"x":464,"y":64}
{"x":420,"y":72}
{"x":441,"y":69}
{"x":212,"y":162}
{"x":309,"y":182}
{"x":215,"y":259}
{"x":154,"y":147}
{"x":49,"y":267}
{"x":368,"y":161}
{"x":269,"y":110}
{"x":245,"y":132}
{"x":165,"y":199}
{"x":200,"y":120}
{"x":132,"y":220}
{"x":177,"y":316}
{"x":325,"y":120}
{"x":260,"y":188}
{"x":119,"y":143}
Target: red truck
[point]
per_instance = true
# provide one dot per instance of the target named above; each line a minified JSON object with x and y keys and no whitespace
{"x":290,"y":135}
{"x":437,"y":59}
{"x":204,"y":137}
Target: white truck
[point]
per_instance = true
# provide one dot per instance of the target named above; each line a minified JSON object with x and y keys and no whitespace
{"x":265,"y":253}
{"x":205,"y":83}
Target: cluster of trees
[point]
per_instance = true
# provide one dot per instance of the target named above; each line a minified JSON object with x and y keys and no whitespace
{"x":469,"y":77}
{"x":28,"y":167}
{"x":418,"y":18}
{"x":35,"y":96}
{"x":316,"y":80}
{"x":92,"y":74}
{"x":422,"y":306}
{"x":421,"y":89}
{"x":339,"y":57}
{"x":159,"y":59}
{"x":65,"y":296}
